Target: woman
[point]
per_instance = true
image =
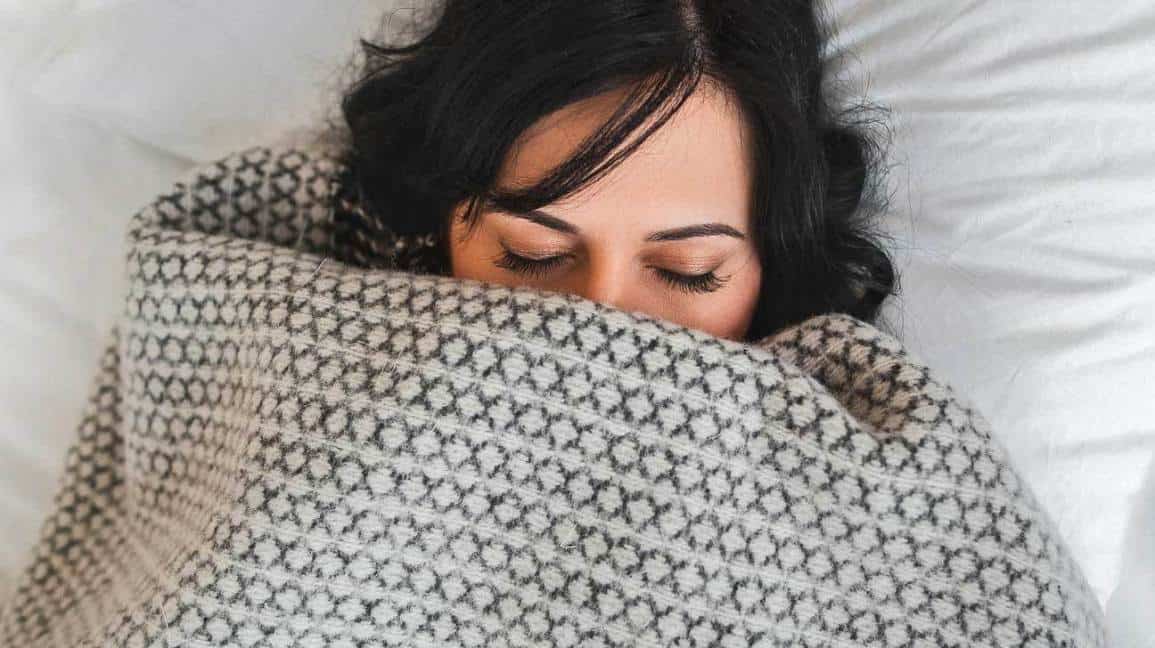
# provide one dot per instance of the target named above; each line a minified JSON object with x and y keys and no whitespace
{"x":676,"y":158}
{"x":287,"y":454}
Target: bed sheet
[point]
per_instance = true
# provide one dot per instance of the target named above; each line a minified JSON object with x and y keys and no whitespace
{"x":1023,"y":162}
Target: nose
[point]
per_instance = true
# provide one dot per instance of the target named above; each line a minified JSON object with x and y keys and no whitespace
{"x":606,"y":284}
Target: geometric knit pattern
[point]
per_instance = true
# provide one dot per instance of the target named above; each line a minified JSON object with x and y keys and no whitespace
{"x":284,"y":448}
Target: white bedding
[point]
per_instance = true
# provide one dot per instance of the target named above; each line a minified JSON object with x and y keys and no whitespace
{"x":1024,"y":207}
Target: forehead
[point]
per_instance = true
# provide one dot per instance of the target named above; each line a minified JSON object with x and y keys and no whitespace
{"x":695,"y":168}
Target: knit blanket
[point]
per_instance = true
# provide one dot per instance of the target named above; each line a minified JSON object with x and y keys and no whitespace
{"x":286,"y":449}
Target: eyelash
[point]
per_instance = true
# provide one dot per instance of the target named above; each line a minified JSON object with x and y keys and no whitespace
{"x":702,"y":283}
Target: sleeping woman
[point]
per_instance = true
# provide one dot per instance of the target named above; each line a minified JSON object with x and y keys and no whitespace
{"x":625,"y":390}
{"x":676,"y":158}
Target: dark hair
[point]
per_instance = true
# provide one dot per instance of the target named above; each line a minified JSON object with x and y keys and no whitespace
{"x":428,"y":125}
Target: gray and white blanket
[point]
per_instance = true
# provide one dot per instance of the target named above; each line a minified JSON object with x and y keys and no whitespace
{"x":283,"y":449}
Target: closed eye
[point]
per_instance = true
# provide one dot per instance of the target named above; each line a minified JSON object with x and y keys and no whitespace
{"x":530,"y":267}
{"x":705,"y":282}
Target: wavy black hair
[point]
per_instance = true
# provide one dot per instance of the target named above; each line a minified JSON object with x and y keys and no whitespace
{"x":427,"y":125}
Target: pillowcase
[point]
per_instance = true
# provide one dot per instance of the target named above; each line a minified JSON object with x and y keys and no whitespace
{"x":1024,"y":157}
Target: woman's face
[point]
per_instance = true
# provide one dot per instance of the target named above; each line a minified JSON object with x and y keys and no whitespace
{"x":666,"y":233}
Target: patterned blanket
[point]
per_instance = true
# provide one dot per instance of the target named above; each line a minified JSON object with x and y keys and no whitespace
{"x":285,"y":449}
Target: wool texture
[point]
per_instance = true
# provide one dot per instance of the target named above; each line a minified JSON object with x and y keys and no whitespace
{"x":287,"y":448}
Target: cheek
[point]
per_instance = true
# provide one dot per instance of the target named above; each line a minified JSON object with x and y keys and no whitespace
{"x":727,"y":313}
{"x":469,"y":258}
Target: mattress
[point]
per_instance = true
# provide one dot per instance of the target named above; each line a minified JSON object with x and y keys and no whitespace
{"x":1021,"y":168}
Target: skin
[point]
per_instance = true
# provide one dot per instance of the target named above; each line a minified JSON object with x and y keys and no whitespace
{"x":667,"y":233}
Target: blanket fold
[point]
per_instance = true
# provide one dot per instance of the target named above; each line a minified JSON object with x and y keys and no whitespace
{"x":286,"y":449}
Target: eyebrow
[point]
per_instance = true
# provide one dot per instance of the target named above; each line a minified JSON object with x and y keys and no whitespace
{"x":675,"y":234}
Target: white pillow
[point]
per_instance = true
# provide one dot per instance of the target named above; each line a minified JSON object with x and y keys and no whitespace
{"x":198,"y":79}
{"x":103,"y":104}
{"x":1024,"y":202}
